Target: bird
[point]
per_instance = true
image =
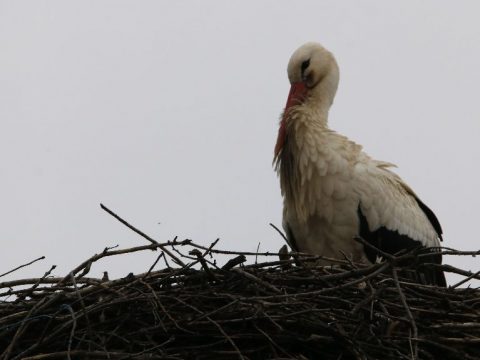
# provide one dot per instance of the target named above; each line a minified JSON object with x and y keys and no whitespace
{"x":334,"y":192}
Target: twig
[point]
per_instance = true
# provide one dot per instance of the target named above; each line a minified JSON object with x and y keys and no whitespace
{"x":205,"y":267}
{"x":453,"y":269}
{"x":82,"y":304}
{"x":82,"y":354}
{"x":72,"y":331}
{"x":271,"y":341}
{"x":21,"y":266}
{"x":237,"y":350}
{"x":306,"y":257}
{"x":162,"y":254}
{"x":141,"y":233}
{"x":215,"y":311}
{"x":6,"y":354}
{"x":50,"y":280}
{"x":385,"y":255}
{"x":32,"y":289}
{"x":468,"y":278}
{"x":409,"y":314}
{"x":256,"y":256}
{"x":280,"y":232}
{"x":237,"y":260}
{"x":257,"y":280}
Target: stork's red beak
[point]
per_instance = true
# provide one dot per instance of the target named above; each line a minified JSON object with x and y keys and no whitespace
{"x":296,"y":96}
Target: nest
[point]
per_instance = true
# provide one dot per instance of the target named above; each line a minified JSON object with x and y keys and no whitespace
{"x":279,"y":309}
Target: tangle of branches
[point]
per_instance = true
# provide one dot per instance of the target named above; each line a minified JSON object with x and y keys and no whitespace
{"x":186,"y":306}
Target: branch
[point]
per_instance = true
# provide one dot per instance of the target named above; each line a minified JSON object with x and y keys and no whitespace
{"x":141,"y":233}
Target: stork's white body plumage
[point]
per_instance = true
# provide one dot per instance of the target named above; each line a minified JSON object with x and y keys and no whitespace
{"x":333,"y":191}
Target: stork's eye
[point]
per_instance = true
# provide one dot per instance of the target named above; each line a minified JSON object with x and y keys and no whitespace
{"x":305,"y":65}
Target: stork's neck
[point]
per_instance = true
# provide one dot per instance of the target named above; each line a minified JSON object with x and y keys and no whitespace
{"x":317,"y":116}
{"x":310,"y":116}
{"x":305,"y":133}
{"x":320,"y":98}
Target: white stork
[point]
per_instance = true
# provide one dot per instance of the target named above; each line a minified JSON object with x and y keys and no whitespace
{"x":333,"y":191}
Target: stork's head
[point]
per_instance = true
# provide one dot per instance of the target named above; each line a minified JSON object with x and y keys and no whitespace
{"x":313,"y":75}
{"x":313,"y":71}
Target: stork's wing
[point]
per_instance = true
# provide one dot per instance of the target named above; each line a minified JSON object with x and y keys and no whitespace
{"x":428,"y":212}
{"x":386,"y":202}
{"x":392,"y":218}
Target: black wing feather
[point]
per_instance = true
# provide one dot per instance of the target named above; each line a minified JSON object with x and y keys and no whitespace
{"x":430,"y":216}
{"x":393,"y":242}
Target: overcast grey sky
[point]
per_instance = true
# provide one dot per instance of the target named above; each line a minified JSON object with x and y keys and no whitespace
{"x":167,"y":112}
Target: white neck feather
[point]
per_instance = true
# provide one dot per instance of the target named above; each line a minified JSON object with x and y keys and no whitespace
{"x":320,"y":98}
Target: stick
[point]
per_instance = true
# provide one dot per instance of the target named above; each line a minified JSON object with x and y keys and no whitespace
{"x":141,"y":233}
{"x":409,"y":315}
{"x":280,"y":232}
{"x":21,"y":266}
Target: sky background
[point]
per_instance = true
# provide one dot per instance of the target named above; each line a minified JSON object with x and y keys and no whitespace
{"x":167,"y":112}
